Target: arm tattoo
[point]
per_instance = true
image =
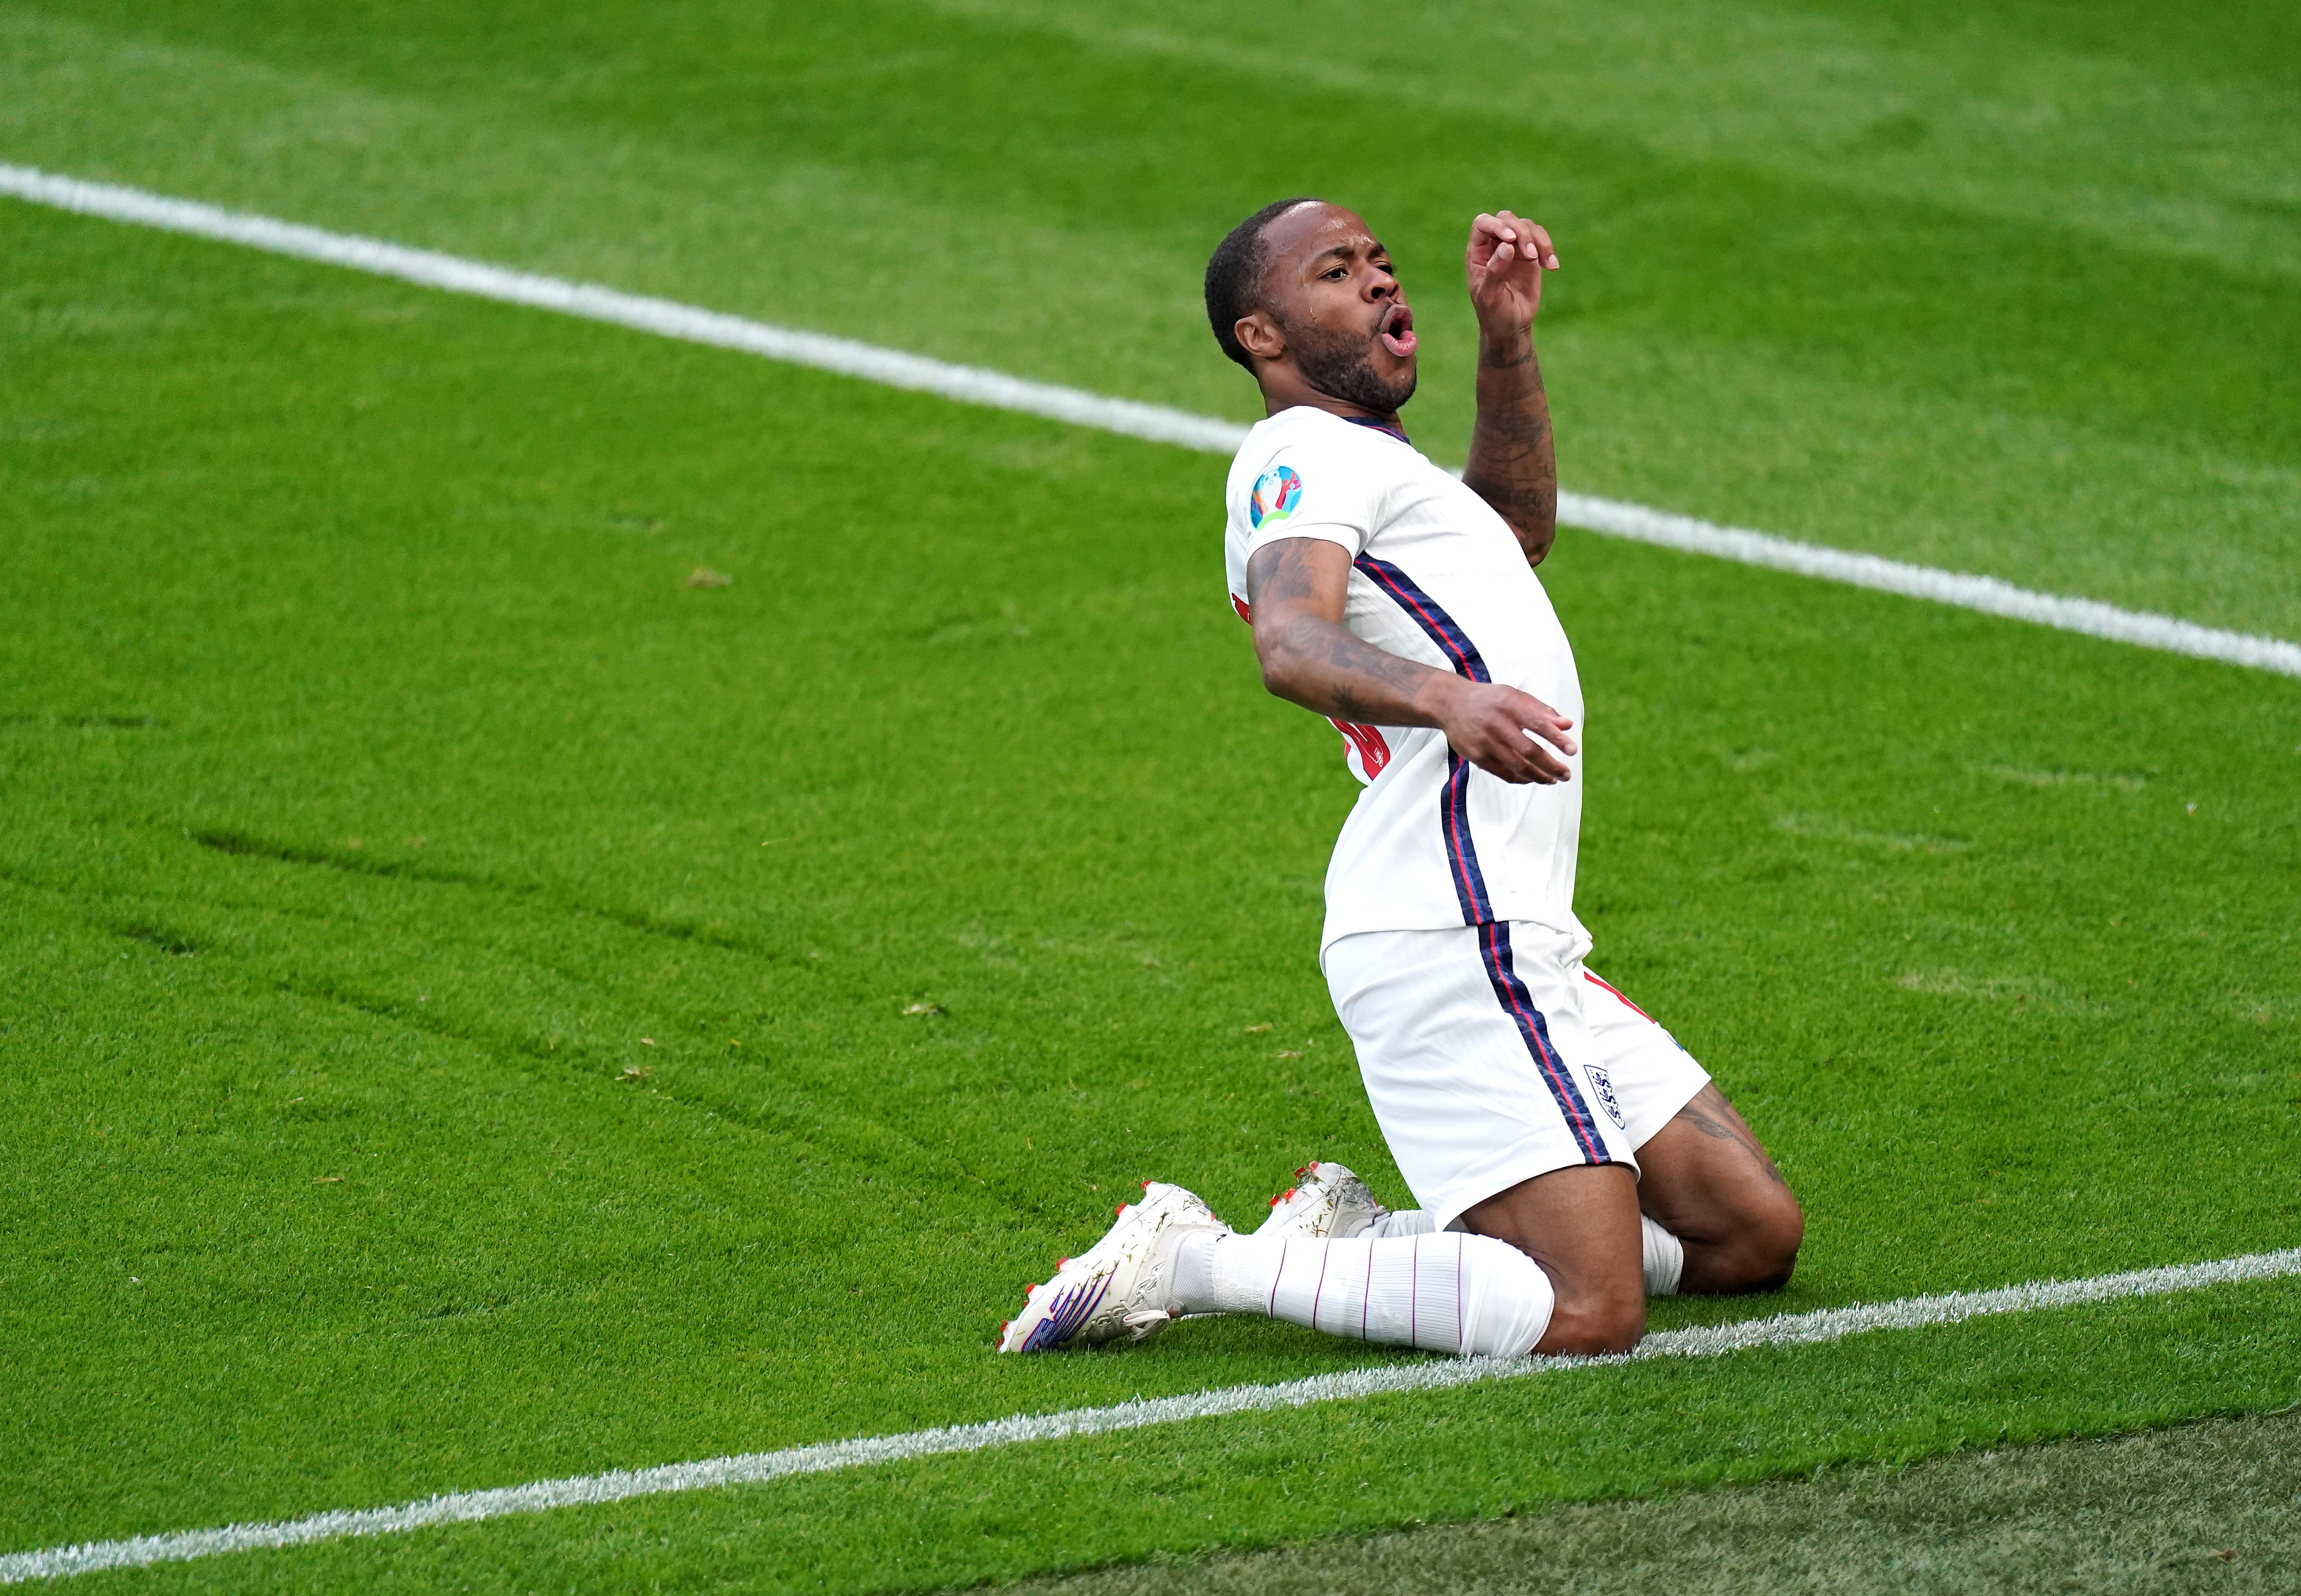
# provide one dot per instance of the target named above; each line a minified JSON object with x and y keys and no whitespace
{"x":1287,"y":577}
{"x":1512,"y":464}
{"x":1320,"y":663}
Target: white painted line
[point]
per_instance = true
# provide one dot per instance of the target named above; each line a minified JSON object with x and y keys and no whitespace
{"x":969,"y":384}
{"x":974,"y":385}
{"x":1984,"y":593}
{"x":1788,"y":1330}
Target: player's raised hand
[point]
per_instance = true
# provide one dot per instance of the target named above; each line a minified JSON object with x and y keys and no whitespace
{"x":1496,"y":728}
{"x":1504,"y":263}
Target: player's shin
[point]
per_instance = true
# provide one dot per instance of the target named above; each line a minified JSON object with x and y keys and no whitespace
{"x":1442,"y":1293}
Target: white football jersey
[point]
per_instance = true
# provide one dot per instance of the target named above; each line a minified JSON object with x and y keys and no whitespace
{"x":1436,"y":577}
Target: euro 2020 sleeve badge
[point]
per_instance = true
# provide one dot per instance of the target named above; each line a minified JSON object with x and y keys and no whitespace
{"x":1277,"y":492}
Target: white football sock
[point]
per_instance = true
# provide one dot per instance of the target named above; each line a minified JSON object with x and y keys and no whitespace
{"x":1444,"y":1293}
{"x":1409,"y":1222}
{"x":1664,"y":1256}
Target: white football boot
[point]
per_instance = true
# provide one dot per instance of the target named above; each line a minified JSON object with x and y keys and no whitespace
{"x":1327,"y":1202}
{"x":1122,"y":1285}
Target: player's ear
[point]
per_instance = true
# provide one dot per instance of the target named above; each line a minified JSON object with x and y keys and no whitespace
{"x":1257,"y":334}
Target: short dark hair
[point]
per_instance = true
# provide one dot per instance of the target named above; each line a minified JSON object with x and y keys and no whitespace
{"x":1234,"y":276}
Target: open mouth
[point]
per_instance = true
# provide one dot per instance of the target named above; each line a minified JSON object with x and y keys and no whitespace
{"x":1396,"y":331}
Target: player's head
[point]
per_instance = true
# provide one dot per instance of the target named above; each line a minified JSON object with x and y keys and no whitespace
{"x":1303,"y":292}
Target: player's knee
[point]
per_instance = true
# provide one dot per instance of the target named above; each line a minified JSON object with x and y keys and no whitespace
{"x":1761,"y":1255}
{"x":1592,"y":1321}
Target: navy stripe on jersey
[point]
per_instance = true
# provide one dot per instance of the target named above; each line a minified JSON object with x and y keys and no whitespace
{"x":1454,"y":797}
{"x":1461,"y":857}
{"x":1494,"y":952}
{"x":1435,"y":622}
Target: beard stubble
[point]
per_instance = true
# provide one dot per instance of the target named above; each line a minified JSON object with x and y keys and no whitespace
{"x":1341,"y":365}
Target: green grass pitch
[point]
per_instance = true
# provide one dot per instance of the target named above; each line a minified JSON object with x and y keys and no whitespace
{"x":477,"y":1009}
{"x":2211,"y":1508}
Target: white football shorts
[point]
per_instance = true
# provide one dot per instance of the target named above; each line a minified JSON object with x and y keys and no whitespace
{"x":1492,"y":1056}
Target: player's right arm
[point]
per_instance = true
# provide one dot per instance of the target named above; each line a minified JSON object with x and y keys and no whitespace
{"x":1296,"y":588}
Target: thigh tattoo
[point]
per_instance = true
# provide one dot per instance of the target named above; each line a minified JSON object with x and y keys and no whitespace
{"x":1712,"y":1115}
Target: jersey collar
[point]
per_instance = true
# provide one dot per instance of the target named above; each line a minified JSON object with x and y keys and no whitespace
{"x":1387,"y":429}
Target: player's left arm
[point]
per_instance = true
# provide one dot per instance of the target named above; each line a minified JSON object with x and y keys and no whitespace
{"x":1512,"y":465}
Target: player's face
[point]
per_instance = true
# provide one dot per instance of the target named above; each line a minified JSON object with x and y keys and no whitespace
{"x":1345,"y":313}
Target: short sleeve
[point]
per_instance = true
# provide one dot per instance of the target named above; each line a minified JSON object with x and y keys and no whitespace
{"x":1311,"y":490}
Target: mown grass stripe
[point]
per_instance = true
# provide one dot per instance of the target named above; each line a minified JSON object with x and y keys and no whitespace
{"x":974,"y":385}
{"x":1787,"y":1330}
